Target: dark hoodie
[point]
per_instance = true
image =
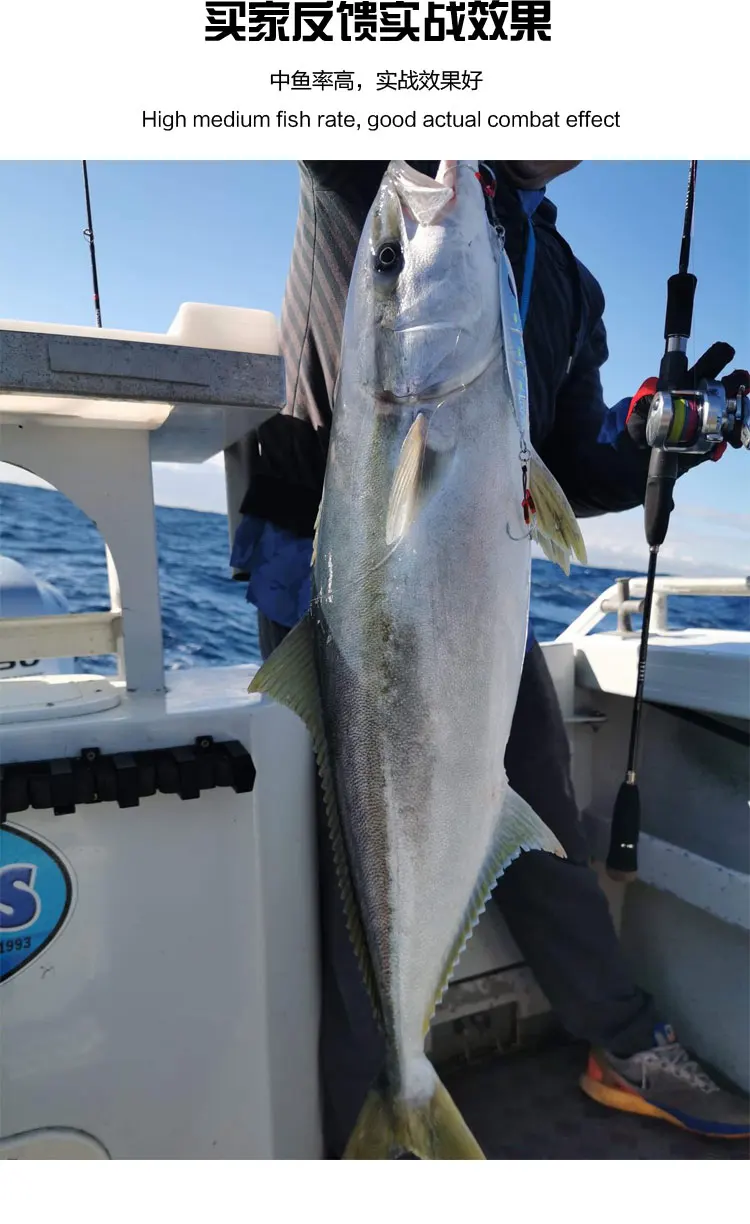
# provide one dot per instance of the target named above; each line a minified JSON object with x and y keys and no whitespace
{"x":565,"y":343}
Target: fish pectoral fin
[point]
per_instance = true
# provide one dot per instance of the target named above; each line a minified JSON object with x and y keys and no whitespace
{"x":290,"y":677}
{"x":432,"y":1130}
{"x":403,"y":503}
{"x":518,"y":828}
{"x":553,"y":523}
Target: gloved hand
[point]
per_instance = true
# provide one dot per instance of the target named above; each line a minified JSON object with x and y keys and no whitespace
{"x":708,"y":366}
{"x":732,"y":384}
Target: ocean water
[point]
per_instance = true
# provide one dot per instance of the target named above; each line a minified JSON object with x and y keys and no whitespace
{"x":207,"y":621}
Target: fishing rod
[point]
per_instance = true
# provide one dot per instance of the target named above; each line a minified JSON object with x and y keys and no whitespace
{"x":88,"y":234}
{"x":689,"y":414}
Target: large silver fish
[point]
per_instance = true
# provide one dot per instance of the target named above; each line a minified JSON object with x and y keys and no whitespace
{"x":407,"y":668}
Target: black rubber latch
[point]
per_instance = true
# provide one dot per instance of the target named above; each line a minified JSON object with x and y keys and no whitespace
{"x":167,"y":776}
{"x":206,"y":755}
{"x":40,"y":787}
{"x":127,"y":777}
{"x":188,"y":773}
{"x":148,"y":782}
{"x":85,"y":782}
{"x":14,"y":791}
{"x":62,"y":787}
{"x":105,"y":780}
{"x":241,"y":765}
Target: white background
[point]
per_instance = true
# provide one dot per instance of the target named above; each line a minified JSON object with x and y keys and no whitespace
{"x":76,"y":76}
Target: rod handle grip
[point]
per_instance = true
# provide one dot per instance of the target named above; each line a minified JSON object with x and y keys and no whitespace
{"x":622,"y":860}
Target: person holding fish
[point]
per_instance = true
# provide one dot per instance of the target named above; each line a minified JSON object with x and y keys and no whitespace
{"x":443,"y":348}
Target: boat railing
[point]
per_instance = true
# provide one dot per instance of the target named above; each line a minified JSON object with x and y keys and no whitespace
{"x":625,"y":598}
{"x":90,"y":410}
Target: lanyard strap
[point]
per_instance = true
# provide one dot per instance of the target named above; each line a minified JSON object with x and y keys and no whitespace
{"x":528,"y":273}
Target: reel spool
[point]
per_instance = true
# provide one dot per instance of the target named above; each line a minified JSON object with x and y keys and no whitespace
{"x":693,"y":422}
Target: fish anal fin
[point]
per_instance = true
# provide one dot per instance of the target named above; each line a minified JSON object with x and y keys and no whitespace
{"x":518,"y":829}
{"x":553,"y":524}
{"x":289,"y":676}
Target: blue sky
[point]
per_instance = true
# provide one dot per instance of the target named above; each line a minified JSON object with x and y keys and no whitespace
{"x":221,"y":232}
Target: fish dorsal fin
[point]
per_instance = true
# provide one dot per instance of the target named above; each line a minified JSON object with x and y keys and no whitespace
{"x":405,"y":490}
{"x":553,"y":525}
{"x":518,"y":828}
{"x":290,"y":677}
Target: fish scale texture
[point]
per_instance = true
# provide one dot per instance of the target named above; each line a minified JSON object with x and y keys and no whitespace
{"x":529,"y":1107}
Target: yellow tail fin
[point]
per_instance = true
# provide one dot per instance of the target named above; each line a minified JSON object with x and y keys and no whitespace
{"x":433,"y":1130}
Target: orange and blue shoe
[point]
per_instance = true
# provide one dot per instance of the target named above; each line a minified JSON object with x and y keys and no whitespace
{"x":665,"y":1082}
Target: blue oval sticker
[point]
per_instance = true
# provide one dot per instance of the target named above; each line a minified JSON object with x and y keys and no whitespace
{"x":35,"y":896}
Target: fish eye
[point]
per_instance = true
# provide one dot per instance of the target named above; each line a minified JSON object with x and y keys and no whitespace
{"x":388,"y":259}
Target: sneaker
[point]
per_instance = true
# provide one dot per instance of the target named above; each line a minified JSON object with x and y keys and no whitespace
{"x":665,"y":1082}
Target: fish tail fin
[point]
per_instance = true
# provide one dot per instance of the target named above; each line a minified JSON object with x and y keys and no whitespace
{"x":553,"y":523}
{"x":431,"y":1129}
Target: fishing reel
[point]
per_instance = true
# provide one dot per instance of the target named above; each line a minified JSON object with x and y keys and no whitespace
{"x":694,"y":422}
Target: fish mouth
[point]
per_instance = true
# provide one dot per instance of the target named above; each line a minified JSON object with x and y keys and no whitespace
{"x":427,"y":199}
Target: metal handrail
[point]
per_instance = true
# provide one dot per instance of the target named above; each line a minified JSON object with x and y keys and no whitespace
{"x":70,"y":635}
{"x":625,"y":599}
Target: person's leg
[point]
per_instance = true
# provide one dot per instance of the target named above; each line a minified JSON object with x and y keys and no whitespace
{"x":555,"y":909}
{"x":351,"y":1047}
{"x":560,"y":920}
{"x":270,"y":635}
